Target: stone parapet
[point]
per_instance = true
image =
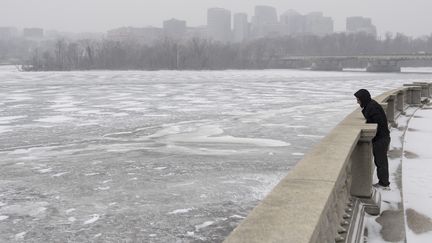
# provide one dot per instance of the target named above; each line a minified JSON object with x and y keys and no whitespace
{"x":325,"y":196}
{"x":415,"y":94}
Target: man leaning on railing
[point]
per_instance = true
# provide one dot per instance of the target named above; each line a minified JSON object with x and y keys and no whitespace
{"x":374,"y":113}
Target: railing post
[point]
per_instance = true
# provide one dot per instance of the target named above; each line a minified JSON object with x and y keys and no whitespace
{"x":400,"y":101}
{"x":408,"y":96}
{"x":424,"y":88}
{"x":427,"y":87}
{"x":391,"y":110}
{"x":416,"y":95}
{"x":362,"y":170}
{"x":430,"y":90}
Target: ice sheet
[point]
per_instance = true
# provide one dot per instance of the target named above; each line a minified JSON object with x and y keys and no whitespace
{"x":123,"y":150}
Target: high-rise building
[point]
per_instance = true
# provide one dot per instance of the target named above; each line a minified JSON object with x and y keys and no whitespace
{"x":241,"y":27}
{"x":8,"y":32}
{"x":33,"y":33}
{"x":292,"y":22}
{"x":317,"y":24}
{"x":219,"y":24}
{"x":174,"y":28}
{"x":265,"y":15}
{"x":265,"y":21}
{"x":360,"y":24}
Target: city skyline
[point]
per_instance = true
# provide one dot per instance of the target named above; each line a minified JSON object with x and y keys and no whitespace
{"x":61,"y":14}
{"x":223,"y":26}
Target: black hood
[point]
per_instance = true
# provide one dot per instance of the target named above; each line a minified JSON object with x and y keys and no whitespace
{"x":364,"y":96}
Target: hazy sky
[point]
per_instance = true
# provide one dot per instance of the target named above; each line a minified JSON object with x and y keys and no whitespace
{"x":413,"y":17}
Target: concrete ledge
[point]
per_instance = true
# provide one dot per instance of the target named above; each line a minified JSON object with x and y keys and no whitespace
{"x":308,"y":205}
{"x":285,"y":214}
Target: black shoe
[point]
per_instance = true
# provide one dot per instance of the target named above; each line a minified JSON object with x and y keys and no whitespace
{"x":379,"y":186}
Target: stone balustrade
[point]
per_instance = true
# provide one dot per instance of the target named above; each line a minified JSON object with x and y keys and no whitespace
{"x":414,"y":94}
{"x":326,"y":195}
{"x":400,"y":101}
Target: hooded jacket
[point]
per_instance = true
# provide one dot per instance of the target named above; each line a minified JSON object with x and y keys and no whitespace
{"x":373,"y":113}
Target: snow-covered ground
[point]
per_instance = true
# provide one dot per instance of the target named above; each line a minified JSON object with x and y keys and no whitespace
{"x":157,"y":156}
{"x":417,"y":174}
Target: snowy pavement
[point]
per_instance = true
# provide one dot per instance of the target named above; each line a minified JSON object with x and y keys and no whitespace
{"x":406,"y":209}
{"x":416,"y":177}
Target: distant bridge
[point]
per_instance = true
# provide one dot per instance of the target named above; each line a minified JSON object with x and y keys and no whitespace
{"x":376,"y":63}
{"x":8,"y":64}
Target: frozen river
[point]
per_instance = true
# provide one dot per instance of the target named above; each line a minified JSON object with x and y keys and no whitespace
{"x":161,"y":156}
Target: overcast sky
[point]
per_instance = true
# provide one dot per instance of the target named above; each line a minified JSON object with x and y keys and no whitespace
{"x":412,"y":17}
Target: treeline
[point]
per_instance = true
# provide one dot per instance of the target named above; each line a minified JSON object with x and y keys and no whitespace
{"x":202,"y":54}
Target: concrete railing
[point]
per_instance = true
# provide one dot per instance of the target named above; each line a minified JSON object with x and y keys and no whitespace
{"x":325,"y":197}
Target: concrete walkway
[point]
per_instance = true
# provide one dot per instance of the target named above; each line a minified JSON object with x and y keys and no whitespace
{"x":406,"y":210}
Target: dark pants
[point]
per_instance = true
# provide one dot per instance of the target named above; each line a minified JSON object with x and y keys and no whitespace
{"x":380,"y":148}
